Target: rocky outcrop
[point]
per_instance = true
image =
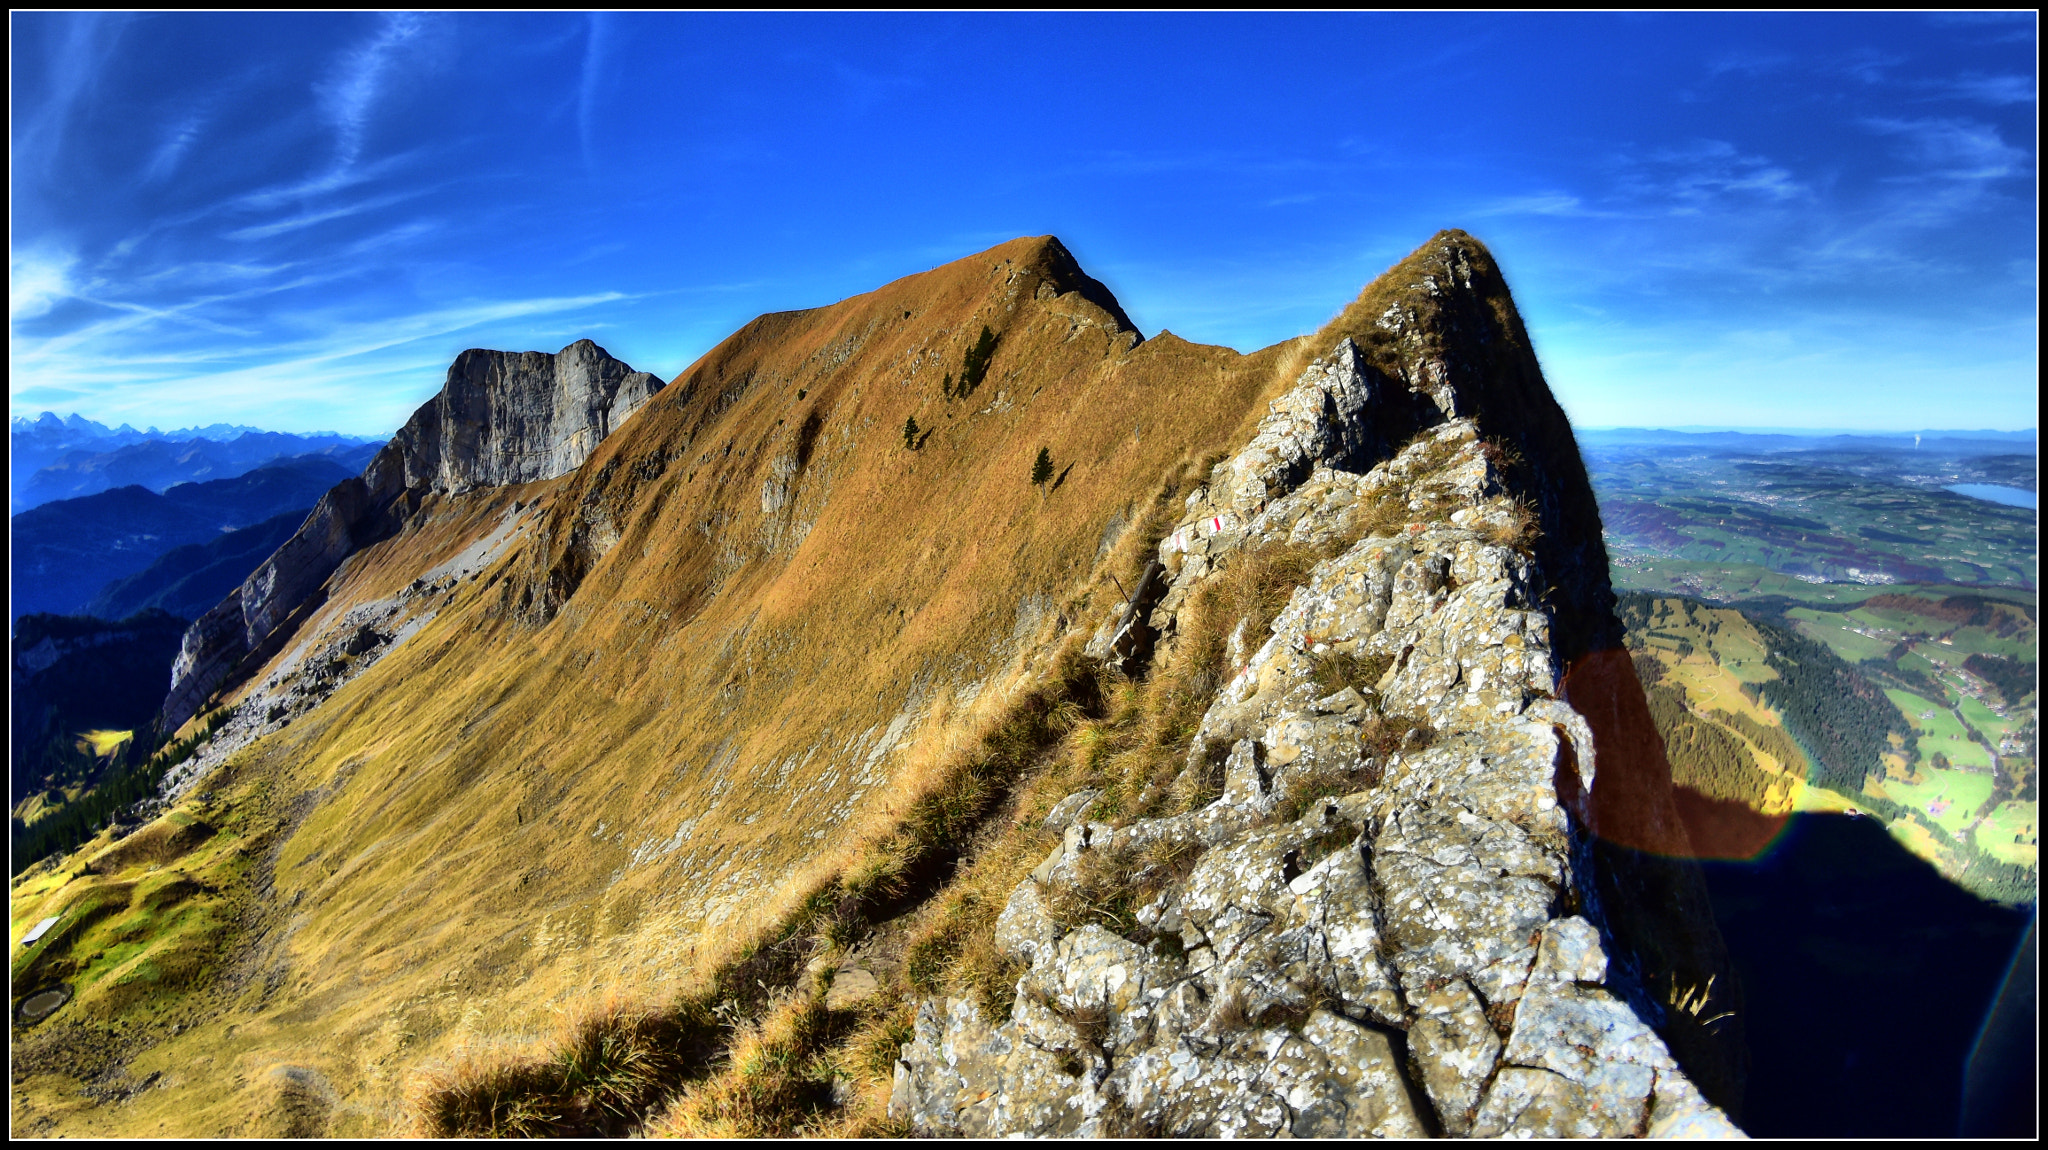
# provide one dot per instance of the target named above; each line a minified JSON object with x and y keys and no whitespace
{"x":501,"y":418}
{"x":512,"y":417}
{"x":1399,"y":917}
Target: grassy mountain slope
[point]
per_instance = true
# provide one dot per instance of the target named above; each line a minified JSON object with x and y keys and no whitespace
{"x":699,"y":671}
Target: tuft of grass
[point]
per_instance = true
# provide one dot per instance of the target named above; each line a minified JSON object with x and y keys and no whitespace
{"x":1521,"y":530}
{"x":1137,"y":753}
{"x":1295,"y":1015}
{"x":875,"y":1045}
{"x":1378,"y":739}
{"x":606,"y":1067}
{"x":1111,"y":886}
{"x":1340,"y":669}
{"x":773,"y":1082}
{"x":1329,"y":783}
{"x":486,"y":1095}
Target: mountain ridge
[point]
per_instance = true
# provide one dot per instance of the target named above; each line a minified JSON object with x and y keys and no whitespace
{"x":647,"y":724}
{"x":55,"y":459}
{"x":67,"y":550}
{"x":501,"y":418}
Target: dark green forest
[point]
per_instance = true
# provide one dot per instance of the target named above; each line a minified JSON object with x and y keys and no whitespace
{"x":1703,"y":756}
{"x":1840,"y":717}
{"x":133,"y":776}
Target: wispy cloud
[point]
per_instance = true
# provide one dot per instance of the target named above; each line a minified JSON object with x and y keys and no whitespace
{"x":37,"y":282}
{"x":349,"y":97}
{"x":321,"y":216}
{"x":1996,"y":90}
{"x":347,"y":363}
{"x":1537,"y":204}
{"x":171,"y":151}
{"x":1953,"y":149}
{"x":1691,"y":176}
{"x":85,"y":40}
{"x":1870,"y":65}
{"x":1748,"y":63}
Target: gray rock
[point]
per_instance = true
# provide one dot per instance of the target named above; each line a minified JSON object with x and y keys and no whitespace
{"x":1024,"y":928}
{"x":1070,"y":808}
{"x":1429,"y":899}
{"x":1456,"y":1050}
{"x":501,"y":418}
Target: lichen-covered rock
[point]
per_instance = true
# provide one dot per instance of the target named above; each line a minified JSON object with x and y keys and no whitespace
{"x":1456,"y":1051}
{"x":1436,"y":894}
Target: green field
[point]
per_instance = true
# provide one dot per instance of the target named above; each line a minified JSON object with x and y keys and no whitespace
{"x":1949,"y":798}
{"x":1940,"y":732}
{"x":1893,"y":638}
{"x":1982,"y":717}
{"x":2011,"y":834}
{"x":1835,"y":630}
{"x":1718,"y":521}
{"x":1974,"y":641}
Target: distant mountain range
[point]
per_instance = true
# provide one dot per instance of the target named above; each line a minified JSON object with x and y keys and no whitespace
{"x":1952,"y":442}
{"x":67,"y":550}
{"x":188,"y":581}
{"x":54,"y":458}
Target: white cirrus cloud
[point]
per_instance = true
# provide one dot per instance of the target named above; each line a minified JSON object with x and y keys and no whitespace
{"x":1537,"y":204}
{"x":179,"y":140}
{"x":308,"y":219}
{"x":349,"y":97}
{"x":1991,"y":89}
{"x":37,"y":282}
{"x":1709,"y":169}
{"x":1952,"y":148}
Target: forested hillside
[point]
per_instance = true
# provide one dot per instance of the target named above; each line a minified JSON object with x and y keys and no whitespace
{"x":1915,"y":706}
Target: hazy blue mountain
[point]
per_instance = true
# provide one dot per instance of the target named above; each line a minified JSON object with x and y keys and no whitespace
{"x":187,"y":581}
{"x":65,"y":551}
{"x":52,"y":458}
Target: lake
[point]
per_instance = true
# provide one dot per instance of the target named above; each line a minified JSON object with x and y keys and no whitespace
{"x":1996,"y":493}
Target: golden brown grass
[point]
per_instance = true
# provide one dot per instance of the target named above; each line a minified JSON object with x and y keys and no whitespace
{"x":1520,"y":531}
{"x":774,"y":1083}
{"x":1340,"y":669}
{"x":1111,"y":886}
{"x":770,"y":1035}
{"x":607,"y":1065}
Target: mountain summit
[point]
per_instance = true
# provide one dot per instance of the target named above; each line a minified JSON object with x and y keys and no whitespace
{"x":803,"y":754}
{"x":502,"y":418}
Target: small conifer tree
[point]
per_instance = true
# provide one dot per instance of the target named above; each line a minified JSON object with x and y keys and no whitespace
{"x":975,"y":365}
{"x":910,"y":432}
{"x":947,"y":386}
{"x":1041,"y":471}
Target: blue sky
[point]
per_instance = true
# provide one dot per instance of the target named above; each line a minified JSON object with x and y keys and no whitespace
{"x":1726,"y":220}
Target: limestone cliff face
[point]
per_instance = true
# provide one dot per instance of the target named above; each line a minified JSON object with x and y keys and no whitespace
{"x":501,"y":418}
{"x":513,"y":417}
{"x":1410,"y":911}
